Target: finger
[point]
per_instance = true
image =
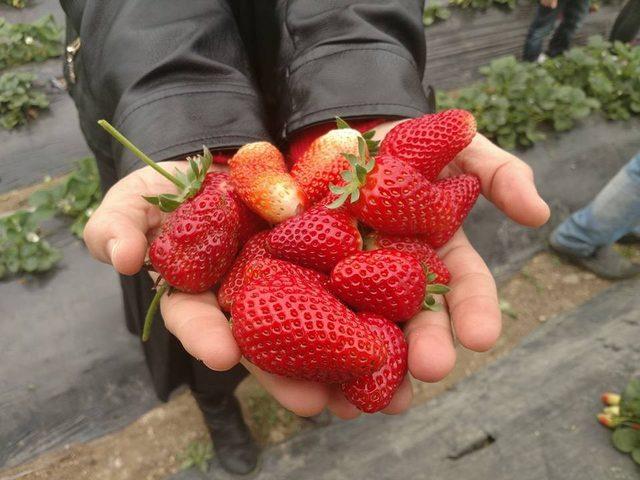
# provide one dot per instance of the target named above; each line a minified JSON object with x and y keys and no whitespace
{"x":302,"y":397}
{"x":116,"y":232}
{"x":340,"y":406}
{"x":505,"y":180}
{"x":431,"y":351}
{"x":201,"y":327}
{"x":473,"y":299}
{"x":401,"y":401}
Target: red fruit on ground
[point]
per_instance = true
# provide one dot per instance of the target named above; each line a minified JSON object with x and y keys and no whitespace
{"x":430,"y":142}
{"x":260,"y":177}
{"x":289,"y":326}
{"x":385,"y":282}
{"x":372,"y":393}
{"x":417,"y":247}
{"x":199,"y":240}
{"x":317,"y":239}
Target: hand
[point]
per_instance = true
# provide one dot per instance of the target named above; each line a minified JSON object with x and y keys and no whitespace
{"x":549,"y":3}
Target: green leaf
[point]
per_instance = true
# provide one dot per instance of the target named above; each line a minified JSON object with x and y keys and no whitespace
{"x":630,"y":399}
{"x":626,"y":439}
{"x":340,"y":123}
{"x":635,"y":454}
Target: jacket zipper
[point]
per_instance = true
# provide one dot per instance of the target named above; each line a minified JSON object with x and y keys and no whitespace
{"x":70,"y":55}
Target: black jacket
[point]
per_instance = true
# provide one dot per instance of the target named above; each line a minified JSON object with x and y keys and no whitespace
{"x":173,"y":75}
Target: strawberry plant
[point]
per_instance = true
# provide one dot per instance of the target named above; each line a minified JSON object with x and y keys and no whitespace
{"x":434,"y":12}
{"x":77,"y":196}
{"x":29,"y":42}
{"x":622,"y":414}
{"x":605,"y":72}
{"x":20,"y":100}
{"x":516,"y":101}
{"x":22,"y":248}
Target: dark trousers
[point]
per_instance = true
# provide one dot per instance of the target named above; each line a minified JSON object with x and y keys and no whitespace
{"x":573,"y":11}
{"x":627,"y":24}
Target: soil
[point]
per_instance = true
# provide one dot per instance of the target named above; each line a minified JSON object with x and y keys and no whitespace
{"x":157,"y":444}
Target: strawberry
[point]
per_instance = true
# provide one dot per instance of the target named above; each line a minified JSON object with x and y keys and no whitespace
{"x":430,"y":142}
{"x":199,"y":239}
{"x":386,"y":282}
{"x":234,"y":279}
{"x":326,"y":158}
{"x":259,"y":176}
{"x":289,"y":326}
{"x":464,"y":189}
{"x":392,"y":197}
{"x":248,"y":222}
{"x":317,"y":239}
{"x":263,"y":267}
{"x":417,"y":247}
{"x":371,"y":393}
{"x":303,"y":139}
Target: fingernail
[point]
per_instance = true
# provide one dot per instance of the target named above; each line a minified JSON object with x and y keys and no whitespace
{"x":112,"y":245}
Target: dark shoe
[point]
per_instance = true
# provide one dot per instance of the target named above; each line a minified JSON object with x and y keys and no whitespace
{"x":629,"y":239}
{"x":234,"y":446}
{"x":604,"y":262}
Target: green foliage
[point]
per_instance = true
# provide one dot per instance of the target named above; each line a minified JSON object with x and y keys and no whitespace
{"x":20,"y":100}
{"x":434,"y":12}
{"x":77,"y":196}
{"x":21,"y":247}
{"x":606,"y":72}
{"x":516,"y":101}
{"x":197,"y":455}
{"x":15,"y":3}
{"x":484,"y":4}
{"x":28,"y":42}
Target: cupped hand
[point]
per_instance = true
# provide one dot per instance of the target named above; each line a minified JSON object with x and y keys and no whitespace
{"x":119,"y":229}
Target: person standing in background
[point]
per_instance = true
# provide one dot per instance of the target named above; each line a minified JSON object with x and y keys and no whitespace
{"x":547,"y":12}
{"x":627,"y":24}
{"x":586,"y":238}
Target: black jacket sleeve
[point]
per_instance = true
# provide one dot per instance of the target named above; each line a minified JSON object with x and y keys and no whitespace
{"x":170,"y":75}
{"x":352,"y":58}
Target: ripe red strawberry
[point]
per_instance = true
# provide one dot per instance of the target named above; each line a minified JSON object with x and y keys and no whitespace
{"x":323,"y":162}
{"x":289,"y":326}
{"x":464,"y":189}
{"x":260,"y":177}
{"x":199,"y":240}
{"x":372,"y":393}
{"x":317,"y":239}
{"x":417,"y":247}
{"x":430,"y":142}
{"x":234,"y":279}
{"x":386,"y":282}
{"x":248,"y":222}
{"x":262,"y":267}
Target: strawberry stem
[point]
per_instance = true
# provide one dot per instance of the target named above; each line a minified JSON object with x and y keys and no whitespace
{"x":148,"y":319}
{"x":139,"y":153}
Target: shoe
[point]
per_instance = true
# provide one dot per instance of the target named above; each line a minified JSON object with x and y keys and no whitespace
{"x":629,"y":239}
{"x":233,"y":443}
{"x":604,"y":262}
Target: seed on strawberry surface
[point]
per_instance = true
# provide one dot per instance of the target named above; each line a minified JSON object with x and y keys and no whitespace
{"x":289,"y":326}
{"x":372,"y":393}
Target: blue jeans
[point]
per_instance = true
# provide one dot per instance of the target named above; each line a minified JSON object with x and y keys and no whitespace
{"x":573,"y":11}
{"x":612,"y":214}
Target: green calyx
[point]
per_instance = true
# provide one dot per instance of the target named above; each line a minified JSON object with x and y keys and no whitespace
{"x":188,"y":183}
{"x":429,"y":302}
{"x":355,"y":177}
{"x":372,"y":144}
